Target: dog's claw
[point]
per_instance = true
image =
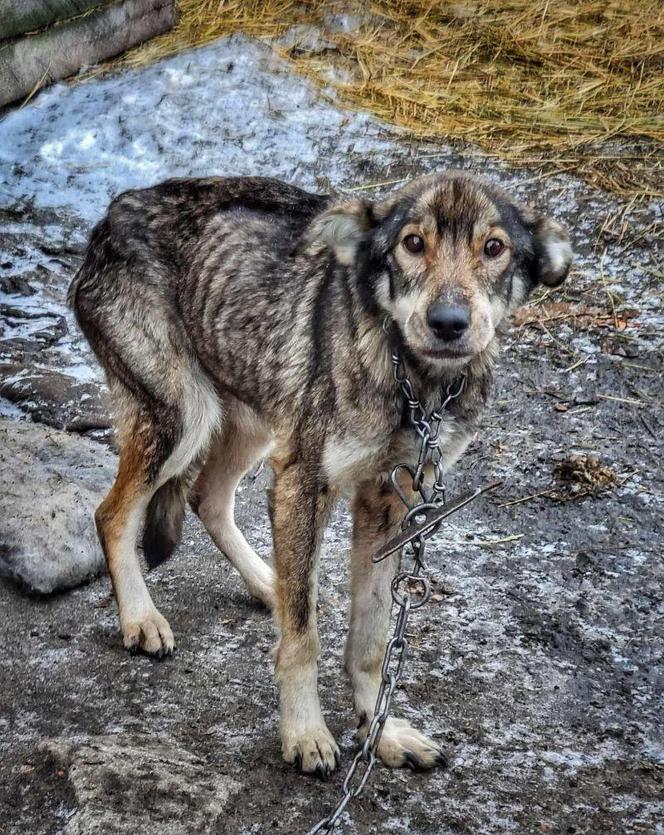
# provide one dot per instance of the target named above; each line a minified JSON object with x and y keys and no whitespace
{"x":165,"y":652}
{"x":322,"y":772}
{"x":442,"y":760}
{"x":412,"y":761}
{"x":314,"y":752}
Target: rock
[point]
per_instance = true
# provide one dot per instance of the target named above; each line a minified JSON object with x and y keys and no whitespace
{"x":50,"y":484}
{"x":135,"y":784}
{"x":16,"y":285}
{"x":55,"y":398}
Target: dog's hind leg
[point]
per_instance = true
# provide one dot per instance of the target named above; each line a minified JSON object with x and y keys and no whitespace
{"x":240,"y":444}
{"x":377,"y":512}
{"x":126,"y":301}
{"x":119,"y":518}
{"x":155,"y":449}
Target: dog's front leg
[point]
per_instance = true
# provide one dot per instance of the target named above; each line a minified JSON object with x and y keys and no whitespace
{"x":377,"y":514}
{"x":299,"y":506}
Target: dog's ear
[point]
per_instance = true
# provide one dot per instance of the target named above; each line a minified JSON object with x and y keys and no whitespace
{"x":342,"y":228}
{"x":552,"y":249}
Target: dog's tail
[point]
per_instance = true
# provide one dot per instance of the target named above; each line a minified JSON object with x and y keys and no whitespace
{"x":163,"y":521}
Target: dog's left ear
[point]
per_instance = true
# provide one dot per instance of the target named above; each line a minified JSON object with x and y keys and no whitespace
{"x":342,"y":228}
{"x":552,"y":249}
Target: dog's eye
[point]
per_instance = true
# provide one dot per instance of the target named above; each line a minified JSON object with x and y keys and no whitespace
{"x":493,"y":247}
{"x":414,"y":244}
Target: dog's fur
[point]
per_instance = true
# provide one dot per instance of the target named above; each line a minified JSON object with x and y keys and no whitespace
{"x":240,"y":318}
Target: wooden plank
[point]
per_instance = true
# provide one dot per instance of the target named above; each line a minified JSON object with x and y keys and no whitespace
{"x":20,"y":16}
{"x":60,"y":51}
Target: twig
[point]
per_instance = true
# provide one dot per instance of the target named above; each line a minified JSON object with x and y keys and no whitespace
{"x":525,"y":498}
{"x":489,"y":543}
{"x":626,"y":478}
{"x":652,"y":371}
{"x":629,"y":400}
{"x":36,"y":87}
{"x":578,"y":410}
{"x":376,"y":185}
{"x":556,"y":341}
{"x":575,"y":365}
{"x":606,"y":289}
{"x":648,"y":429}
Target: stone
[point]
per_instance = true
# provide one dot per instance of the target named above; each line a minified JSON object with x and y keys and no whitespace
{"x":55,"y":398}
{"x":132,"y":783}
{"x":50,"y":485}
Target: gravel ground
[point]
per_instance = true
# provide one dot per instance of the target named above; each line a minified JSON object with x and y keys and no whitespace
{"x":538,"y":661}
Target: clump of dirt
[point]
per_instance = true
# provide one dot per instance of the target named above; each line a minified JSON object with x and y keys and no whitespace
{"x":581,"y":475}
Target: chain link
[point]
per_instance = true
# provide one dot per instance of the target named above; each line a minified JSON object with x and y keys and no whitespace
{"x":410,"y":589}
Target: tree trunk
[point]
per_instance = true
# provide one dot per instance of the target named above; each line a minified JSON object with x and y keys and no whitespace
{"x":62,"y":50}
{"x":20,"y":16}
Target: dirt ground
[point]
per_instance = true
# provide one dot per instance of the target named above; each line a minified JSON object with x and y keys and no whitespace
{"x":538,"y":661}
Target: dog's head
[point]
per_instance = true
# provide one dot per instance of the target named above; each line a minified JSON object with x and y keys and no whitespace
{"x":446,"y":259}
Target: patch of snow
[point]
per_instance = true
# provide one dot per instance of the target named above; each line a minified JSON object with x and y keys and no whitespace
{"x":228,"y":108}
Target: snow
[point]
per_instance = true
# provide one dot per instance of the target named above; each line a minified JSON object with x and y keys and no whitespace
{"x":227,"y":109}
{"x":10,"y":410}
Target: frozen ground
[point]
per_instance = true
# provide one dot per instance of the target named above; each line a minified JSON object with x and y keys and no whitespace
{"x":538,"y":663}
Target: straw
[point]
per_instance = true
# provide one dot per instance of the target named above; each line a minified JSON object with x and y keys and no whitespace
{"x":567,"y":87}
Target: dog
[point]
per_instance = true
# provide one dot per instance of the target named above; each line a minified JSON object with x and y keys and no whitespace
{"x":243,"y":318}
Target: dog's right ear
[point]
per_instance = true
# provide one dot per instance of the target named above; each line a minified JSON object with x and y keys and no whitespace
{"x":342,"y":228}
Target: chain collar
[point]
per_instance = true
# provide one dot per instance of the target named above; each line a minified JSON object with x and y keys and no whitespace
{"x":427,"y":426}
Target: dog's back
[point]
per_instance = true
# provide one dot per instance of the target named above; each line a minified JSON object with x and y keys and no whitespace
{"x":161,"y":228}
{"x":133,"y":281}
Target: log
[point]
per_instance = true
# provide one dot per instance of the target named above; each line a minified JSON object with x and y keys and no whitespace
{"x":35,"y":60}
{"x":20,"y":16}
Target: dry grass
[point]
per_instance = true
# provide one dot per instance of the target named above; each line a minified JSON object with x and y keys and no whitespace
{"x":564,"y":86}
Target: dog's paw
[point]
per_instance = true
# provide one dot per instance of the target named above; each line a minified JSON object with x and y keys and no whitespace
{"x":402,"y":745}
{"x":149,"y":633}
{"x":313,"y":752}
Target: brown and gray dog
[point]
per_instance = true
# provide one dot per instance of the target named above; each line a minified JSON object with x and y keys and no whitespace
{"x":242,"y":318}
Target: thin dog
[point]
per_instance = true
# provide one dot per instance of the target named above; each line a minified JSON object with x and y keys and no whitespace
{"x":244,"y":318}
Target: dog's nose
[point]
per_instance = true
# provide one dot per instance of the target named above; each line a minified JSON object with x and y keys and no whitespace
{"x":448,"y":321}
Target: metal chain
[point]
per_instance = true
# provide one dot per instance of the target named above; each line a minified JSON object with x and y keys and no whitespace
{"x":410,"y":589}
